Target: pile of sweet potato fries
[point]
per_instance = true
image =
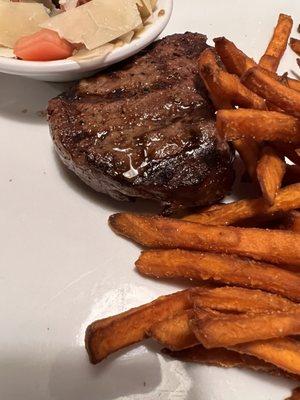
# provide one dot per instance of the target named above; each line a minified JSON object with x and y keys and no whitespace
{"x":245,"y":310}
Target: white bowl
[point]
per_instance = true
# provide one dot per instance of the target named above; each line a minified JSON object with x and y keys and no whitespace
{"x":68,"y":70}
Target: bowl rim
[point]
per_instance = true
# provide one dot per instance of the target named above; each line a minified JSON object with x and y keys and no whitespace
{"x":150,"y":33}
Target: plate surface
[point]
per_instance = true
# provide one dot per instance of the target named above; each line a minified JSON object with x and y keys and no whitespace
{"x":62,"y":267}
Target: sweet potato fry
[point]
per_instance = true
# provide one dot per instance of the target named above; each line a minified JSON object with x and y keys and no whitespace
{"x":270,"y":172}
{"x":279,"y":247}
{"x":286,"y":80}
{"x":284,"y":353}
{"x":175,"y":332}
{"x":236,"y":62}
{"x":106,"y":336}
{"x":291,"y":221}
{"x":276,"y":48}
{"x":293,"y":84}
{"x":295,"y":45}
{"x":295,"y":221}
{"x":226,"y":359}
{"x":230,"y":330}
{"x":225,"y":89}
{"x":258,"y":125}
{"x":218,"y":357}
{"x":219,"y":268}
{"x":239,"y":300}
{"x":287,"y":199}
{"x":249,"y":151}
{"x":271,"y":168}
{"x":270,"y":89}
{"x":295,"y":394}
{"x":209,"y":69}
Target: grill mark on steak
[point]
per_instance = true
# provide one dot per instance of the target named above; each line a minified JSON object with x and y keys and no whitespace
{"x":145,"y":128}
{"x":144,"y":70}
{"x":171,"y":82}
{"x":121,"y":93}
{"x":154,"y":110}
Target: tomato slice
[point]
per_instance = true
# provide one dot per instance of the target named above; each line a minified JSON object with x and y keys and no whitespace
{"x":44,"y":45}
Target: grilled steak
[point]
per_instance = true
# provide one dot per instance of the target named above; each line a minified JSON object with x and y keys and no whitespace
{"x":145,"y":128}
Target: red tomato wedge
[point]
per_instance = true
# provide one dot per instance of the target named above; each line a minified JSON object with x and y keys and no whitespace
{"x":44,"y":45}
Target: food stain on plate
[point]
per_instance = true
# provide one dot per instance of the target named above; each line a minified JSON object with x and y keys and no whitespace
{"x":118,"y":300}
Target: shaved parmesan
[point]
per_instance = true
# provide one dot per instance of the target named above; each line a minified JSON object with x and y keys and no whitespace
{"x":153,"y":4}
{"x":6,"y":52}
{"x":96,"y":22}
{"x":19,"y":19}
{"x":127,"y":37}
{"x":145,"y":8}
{"x":85,"y":55}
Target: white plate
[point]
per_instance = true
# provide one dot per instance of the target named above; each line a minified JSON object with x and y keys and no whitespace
{"x":68,"y":70}
{"x":62,"y":267}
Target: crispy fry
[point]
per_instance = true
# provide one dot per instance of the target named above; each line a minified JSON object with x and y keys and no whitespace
{"x":270,"y":172}
{"x":287,"y":199}
{"x":249,"y":151}
{"x":258,"y":125}
{"x":225,"y":89}
{"x":236,"y":62}
{"x":226,"y":359}
{"x":295,"y":45}
{"x":294,"y":84}
{"x":279,"y":247}
{"x":276,"y":48}
{"x":271,"y":168}
{"x":228,"y":330}
{"x":209,"y":69}
{"x":291,"y":221}
{"x":175,"y":333}
{"x":239,"y":300}
{"x":106,"y":336}
{"x":286,"y":80}
{"x":295,"y":221}
{"x":295,"y":394}
{"x":284,"y":353}
{"x":219,"y":268}
{"x":218,"y":357}
{"x":275,"y":92}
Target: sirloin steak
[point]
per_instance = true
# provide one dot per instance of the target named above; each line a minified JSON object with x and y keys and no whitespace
{"x":146,"y":128}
